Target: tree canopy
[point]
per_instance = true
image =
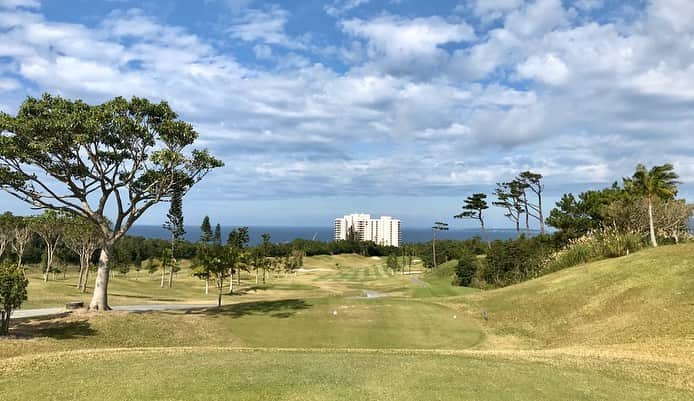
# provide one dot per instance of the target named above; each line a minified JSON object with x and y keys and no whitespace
{"x":117,"y":158}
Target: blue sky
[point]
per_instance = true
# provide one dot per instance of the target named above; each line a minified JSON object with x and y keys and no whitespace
{"x":399,"y":107}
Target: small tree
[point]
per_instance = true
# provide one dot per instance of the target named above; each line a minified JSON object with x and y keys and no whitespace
{"x":392,"y":262}
{"x":213,"y":262}
{"x":174,"y":224}
{"x":509,"y":197}
{"x":217,"y":234}
{"x":81,"y":237}
{"x":265,"y":246}
{"x":49,"y":227}
{"x":236,"y":243}
{"x":20,"y":239}
{"x":7,"y":226}
{"x":658,"y":182}
{"x":466,"y":269}
{"x":166,"y":261}
{"x":473,"y":208}
{"x":206,"y":230}
{"x":533,"y":181}
{"x":13,"y":291}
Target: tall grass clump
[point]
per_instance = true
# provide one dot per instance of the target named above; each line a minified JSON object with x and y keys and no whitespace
{"x":596,"y":245}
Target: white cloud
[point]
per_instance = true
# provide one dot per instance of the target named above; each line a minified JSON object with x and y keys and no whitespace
{"x":19,"y":3}
{"x":536,"y":18}
{"x":262,"y":52}
{"x":549,"y":69}
{"x":418,"y":36}
{"x":8,"y":84}
{"x":265,"y":26}
{"x":489,"y":10}
{"x":595,"y":98}
{"x":340,"y":7}
{"x":401,"y":45}
{"x":675,"y":14}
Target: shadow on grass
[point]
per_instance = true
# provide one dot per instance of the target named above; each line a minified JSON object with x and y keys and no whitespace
{"x":53,"y":327}
{"x":281,"y":309}
{"x":115,"y":294}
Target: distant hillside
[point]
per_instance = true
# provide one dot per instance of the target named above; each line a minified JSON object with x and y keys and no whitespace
{"x":645,"y":297}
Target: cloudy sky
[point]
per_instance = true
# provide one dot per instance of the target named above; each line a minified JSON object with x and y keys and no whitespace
{"x":401,"y":107}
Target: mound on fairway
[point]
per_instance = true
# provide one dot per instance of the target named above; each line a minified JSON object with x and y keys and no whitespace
{"x":646,"y":297}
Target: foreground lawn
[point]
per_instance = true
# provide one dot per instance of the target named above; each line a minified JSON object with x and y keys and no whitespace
{"x":205,"y":374}
{"x":331,"y":322}
{"x":347,"y":328}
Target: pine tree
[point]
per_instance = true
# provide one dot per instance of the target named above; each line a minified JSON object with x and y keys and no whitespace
{"x":473,"y":208}
{"x":206,"y":230}
{"x":174,"y":224}
{"x":218,"y":234}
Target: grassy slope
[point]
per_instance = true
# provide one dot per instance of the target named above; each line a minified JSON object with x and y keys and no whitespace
{"x":646,"y":297}
{"x":439,"y":283}
{"x":615,"y":329}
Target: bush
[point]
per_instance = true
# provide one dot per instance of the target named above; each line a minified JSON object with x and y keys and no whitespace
{"x":466,"y":270}
{"x":614,"y":244}
{"x":596,"y":245}
{"x":513,"y":261}
{"x":13,"y":291}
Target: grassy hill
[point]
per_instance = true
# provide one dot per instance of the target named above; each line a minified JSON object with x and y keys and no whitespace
{"x":646,"y":297}
{"x":619,"y":329}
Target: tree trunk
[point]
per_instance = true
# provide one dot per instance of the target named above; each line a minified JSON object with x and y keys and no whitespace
{"x":100,"y":297}
{"x":486,"y":234}
{"x":433,"y":249}
{"x":81,"y":275}
{"x":207,"y":286}
{"x":256,"y":276}
{"x":650,"y":223}
{"x":49,"y":261}
{"x":171,"y":275}
{"x":163,"y":275}
{"x":5,"y":322}
{"x":541,"y":217}
{"x":220,"y":288}
{"x":86,"y":279}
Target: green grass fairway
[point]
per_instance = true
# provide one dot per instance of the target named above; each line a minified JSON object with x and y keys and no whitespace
{"x":619,"y":329}
{"x":188,"y":374}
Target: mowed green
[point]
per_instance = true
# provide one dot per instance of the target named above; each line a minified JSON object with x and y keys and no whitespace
{"x":607,"y":330}
{"x":209,"y":374}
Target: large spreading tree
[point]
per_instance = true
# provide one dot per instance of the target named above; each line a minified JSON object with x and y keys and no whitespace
{"x":107,"y":163}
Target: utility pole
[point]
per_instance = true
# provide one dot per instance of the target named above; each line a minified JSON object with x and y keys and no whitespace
{"x":438,"y":226}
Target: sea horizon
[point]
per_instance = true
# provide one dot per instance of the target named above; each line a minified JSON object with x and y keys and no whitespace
{"x":286,"y":233}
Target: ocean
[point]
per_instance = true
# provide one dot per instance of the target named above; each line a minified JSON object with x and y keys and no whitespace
{"x":287,"y":234}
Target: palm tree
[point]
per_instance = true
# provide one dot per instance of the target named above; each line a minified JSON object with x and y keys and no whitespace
{"x":659,"y":181}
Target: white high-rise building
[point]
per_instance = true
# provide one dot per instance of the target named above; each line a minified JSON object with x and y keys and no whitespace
{"x":383,"y":231}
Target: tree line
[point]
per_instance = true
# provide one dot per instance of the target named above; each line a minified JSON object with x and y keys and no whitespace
{"x":608,"y":222}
